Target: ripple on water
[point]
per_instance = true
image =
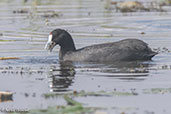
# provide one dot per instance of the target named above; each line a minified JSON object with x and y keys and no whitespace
{"x":24,"y":29}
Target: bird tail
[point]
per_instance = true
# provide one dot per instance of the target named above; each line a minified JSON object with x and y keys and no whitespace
{"x":152,"y":54}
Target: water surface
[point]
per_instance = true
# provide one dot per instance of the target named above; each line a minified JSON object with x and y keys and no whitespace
{"x":24,"y":28}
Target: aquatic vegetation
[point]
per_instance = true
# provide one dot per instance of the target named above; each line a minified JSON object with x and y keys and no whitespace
{"x":136,"y":6}
{"x":6,"y":40}
{"x":131,"y":6}
{"x":162,"y":50}
{"x":51,"y":14}
{"x":21,"y":70}
{"x":7,"y":58}
{"x":24,"y":29}
{"x":157,"y":91}
{"x":84,"y":94}
{"x":73,"y":107}
{"x":21,"y":11}
{"x":165,"y":2}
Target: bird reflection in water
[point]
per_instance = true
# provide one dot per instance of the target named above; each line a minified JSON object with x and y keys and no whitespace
{"x":62,"y":77}
{"x":129,"y":71}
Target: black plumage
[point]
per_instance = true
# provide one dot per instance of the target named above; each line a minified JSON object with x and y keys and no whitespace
{"x":124,"y":50}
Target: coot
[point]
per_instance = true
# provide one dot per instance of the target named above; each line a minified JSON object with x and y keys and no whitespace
{"x":124,"y":50}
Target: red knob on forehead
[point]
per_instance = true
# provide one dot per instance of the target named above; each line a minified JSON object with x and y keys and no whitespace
{"x":50,"y":33}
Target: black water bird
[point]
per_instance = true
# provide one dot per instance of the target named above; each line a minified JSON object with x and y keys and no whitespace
{"x":124,"y":50}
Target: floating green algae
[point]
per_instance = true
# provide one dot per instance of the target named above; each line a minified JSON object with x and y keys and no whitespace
{"x":157,"y":91}
{"x":83,"y":94}
{"x":72,"y":107}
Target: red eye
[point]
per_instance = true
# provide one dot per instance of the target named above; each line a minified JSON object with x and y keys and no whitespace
{"x":50,"y":33}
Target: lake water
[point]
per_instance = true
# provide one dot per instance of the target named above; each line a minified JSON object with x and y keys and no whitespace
{"x":24,"y":28}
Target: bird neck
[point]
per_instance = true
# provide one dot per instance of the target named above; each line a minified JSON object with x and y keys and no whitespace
{"x":67,"y":45}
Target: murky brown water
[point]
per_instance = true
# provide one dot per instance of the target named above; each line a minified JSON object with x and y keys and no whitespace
{"x":24,"y":27}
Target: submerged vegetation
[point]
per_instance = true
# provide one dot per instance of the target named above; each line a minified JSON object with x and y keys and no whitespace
{"x":73,"y":107}
{"x":96,"y":94}
{"x":157,"y":91}
{"x":30,"y":73}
